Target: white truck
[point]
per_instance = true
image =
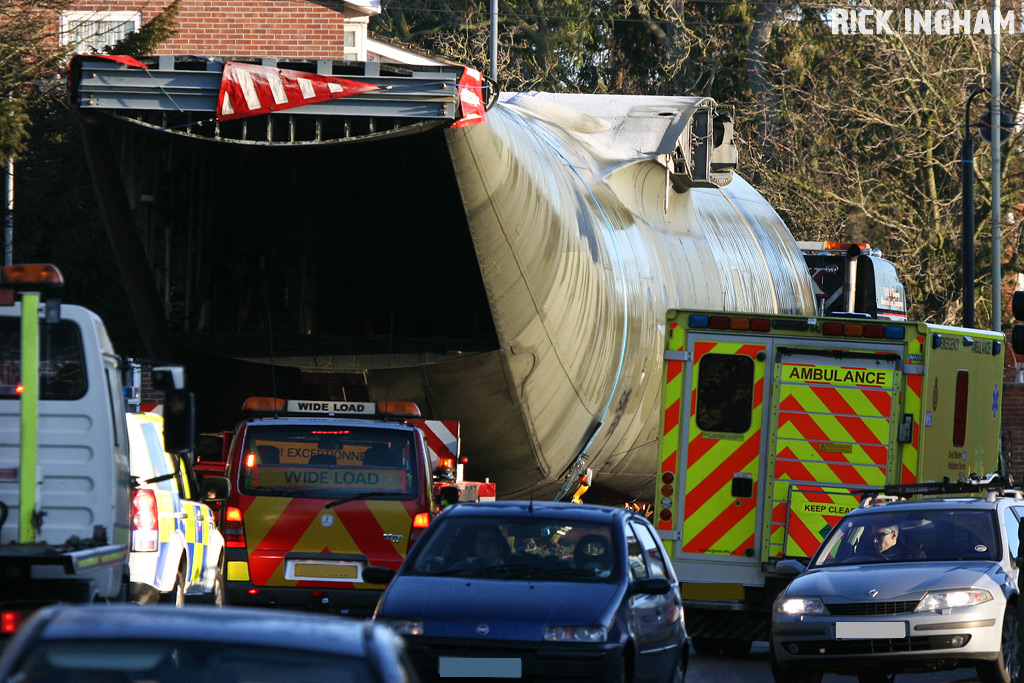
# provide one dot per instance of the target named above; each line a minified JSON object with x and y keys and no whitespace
{"x":65,"y":508}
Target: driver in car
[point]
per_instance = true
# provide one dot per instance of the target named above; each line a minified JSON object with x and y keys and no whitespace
{"x":885,"y":543}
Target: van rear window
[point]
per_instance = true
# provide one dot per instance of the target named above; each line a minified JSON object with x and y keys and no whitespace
{"x":319,"y":461}
{"x":61,"y":363}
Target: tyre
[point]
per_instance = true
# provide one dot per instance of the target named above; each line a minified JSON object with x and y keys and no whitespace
{"x":705,"y":646}
{"x":176,"y":596}
{"x":791,"y":675}
{"x":217,"y":596}
{"x":1006,"y":669}
{"x":678,"y":674}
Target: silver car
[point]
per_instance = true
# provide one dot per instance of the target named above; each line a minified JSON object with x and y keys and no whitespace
{"x":906,"y":586}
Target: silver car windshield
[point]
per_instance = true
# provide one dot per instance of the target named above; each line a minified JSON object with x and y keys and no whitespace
{"x":912,"y":536}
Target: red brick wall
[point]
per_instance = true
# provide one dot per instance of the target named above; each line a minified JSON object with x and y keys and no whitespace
{"x":1013,"y":416}
{"x":242,"y":28}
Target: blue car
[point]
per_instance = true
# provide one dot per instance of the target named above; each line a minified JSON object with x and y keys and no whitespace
{"x":538,"y":590}
{"x":195,"y":644}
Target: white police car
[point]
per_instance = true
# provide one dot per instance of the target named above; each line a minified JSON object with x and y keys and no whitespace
{"x":176,"y":548}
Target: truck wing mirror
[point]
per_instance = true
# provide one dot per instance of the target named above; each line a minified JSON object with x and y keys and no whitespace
{"x":215,"y":489}
{"x":179,"y":421}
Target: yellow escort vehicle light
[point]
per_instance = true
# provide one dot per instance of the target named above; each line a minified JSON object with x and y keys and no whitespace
{"x":263,"y":404}
{"x":32,"y":275}
{"x":398,"y":409}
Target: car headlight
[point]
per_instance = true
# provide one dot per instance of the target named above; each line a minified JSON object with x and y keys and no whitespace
{"x":797,"y":607}
{"x":577,"y":634}
{"x":405,"y":627}
{"x":936,"y":600}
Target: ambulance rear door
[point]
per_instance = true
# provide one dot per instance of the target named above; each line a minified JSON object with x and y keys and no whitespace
{"x":721,"y":438}
{"x":832,"y":434}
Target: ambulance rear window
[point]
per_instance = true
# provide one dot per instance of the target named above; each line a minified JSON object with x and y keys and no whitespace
{"x":315,"y":461}
{"x":725,"y":391}
{"x":61,"y":365}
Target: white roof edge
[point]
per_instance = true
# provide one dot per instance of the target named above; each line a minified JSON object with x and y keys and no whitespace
{"x":389,"y":53}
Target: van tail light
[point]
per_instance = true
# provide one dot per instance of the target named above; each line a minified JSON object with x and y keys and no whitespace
{"x":145,"y":521}
{"x":420,"y":522}
{"x":10,"y":620}
{"x":234,"y":529}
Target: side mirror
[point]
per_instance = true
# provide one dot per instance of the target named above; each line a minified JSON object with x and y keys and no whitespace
{"x":656,"y":586}
{"x":215,"y":489}
{"x":179,"y":421}
{"x":378,"y":575}
{"x":789,"y":567}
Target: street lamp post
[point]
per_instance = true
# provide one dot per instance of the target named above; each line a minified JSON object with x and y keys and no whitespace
{"x":967,"y":174}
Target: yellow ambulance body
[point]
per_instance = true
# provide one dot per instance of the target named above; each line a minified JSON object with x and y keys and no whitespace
{"x":773,"y":427}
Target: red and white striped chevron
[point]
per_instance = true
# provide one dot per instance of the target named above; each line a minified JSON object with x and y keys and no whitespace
{"x":252,"y":90}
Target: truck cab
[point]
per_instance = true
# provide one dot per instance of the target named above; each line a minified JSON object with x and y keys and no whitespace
{"x":321,"y":490}
{"x":64,"y":482}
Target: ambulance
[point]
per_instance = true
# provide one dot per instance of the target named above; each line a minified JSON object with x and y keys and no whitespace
{"x":321,"y":490}
{"x":774,"y":426}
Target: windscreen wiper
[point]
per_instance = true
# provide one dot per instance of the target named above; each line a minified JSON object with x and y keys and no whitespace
{"x":358,"y":496}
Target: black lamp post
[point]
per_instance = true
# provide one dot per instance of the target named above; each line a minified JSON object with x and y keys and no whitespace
{"x":967,"y":167}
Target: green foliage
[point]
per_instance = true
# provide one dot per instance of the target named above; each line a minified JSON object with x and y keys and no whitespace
{"x":868,"y":149}
{"x":30,"y":57}
{"x":56,"y":217}
{"x":149,"y":36}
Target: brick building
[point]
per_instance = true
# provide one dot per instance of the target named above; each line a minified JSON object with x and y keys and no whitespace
{"x":1013,"y":413}
{"x":321,"y":29}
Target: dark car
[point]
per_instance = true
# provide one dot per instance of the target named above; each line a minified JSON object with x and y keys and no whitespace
{"x":543,"y":591}
{"x":197,"y":644}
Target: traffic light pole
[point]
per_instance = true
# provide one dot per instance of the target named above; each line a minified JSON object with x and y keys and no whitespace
{"x":967,"y":175}
{"x":997,"y":165}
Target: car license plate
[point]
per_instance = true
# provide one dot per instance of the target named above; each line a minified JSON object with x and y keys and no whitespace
{"x":322,"y":570}
{"x":480,"y":667}
{"x":871,"y":629}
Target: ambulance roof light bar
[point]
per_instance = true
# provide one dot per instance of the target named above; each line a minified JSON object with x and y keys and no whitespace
{"x":858,"y":327}
{"x":264,"y":405}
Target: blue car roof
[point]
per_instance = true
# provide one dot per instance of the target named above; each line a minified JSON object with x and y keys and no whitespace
{"x":526,"y":509}
{"x":272,"y":628}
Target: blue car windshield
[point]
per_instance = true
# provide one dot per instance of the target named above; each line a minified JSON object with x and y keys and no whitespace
{"x":529,"y":549}
{"x":939,"y":534}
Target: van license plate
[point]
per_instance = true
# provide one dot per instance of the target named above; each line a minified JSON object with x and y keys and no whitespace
{"x":325,"y":571}
{"x":480,"y":667}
